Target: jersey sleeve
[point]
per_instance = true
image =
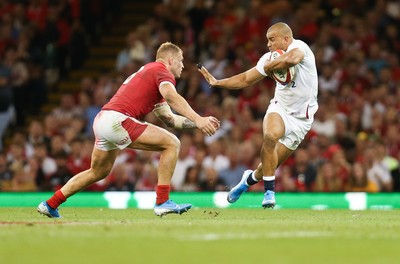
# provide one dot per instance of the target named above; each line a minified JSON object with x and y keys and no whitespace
{"x":261,"y":63}
{"x":164,"y":76}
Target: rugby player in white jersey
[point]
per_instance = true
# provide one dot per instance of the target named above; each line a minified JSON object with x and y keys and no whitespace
{"x":290,"y":113}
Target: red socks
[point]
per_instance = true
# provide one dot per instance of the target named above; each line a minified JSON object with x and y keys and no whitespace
{"x":57,"y":199}
{"x":162,"y":193}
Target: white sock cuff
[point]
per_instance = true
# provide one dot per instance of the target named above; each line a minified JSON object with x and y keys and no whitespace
{"x":254,"y":177}
{"x":269,"y":178}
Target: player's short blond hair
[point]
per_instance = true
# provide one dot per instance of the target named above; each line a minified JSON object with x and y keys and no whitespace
{"x":167,"y":47}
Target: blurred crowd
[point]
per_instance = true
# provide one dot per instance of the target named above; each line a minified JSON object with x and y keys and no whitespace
{"x":353,"y":145}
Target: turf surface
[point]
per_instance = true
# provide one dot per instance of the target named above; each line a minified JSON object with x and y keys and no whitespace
{"x":94,"y":235}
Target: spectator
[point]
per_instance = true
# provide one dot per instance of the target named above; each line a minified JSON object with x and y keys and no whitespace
{"x":6,"y":101}
{"x":36,"y":136}
{"x":60,"y":176}
{"x":46,"y":163}
{"x":198,"y":13}
{"x":19,"y":77}
{"x":185,"y":160}
{"x":99,"y":99}
{"x":24,"y":179}
{"x":66,"y":111}
{"x":77,"y":45}
{"x":211,"y":181}
{"x":58,"y":144}
{"x":134,"y":51}
{"x":119,"y":180}
{"x":328,"y":80}
{"x":76,"y":128}
{"x":324,"y":123}
{"x":391,"y":163}
{"x":286,"y":181}
{"x":248,"y":152}
{"x":76,"y":160}
{"x":16,"y":157}
{"x":148,"y":180}
{"x":303,"y":171}
{"x":51,"y":126}
{"x":192,"y":180}
{"x":216,"y":65}
{"x":327,"y":180}
{"x":392,"y":140}
{"x":315,"y":158}
{"x":341,"y":166}
{"x":5,"y":173}
{"x":358,"y":180}
{"x":375,"y":59}
{"x":215,"y":158}
{"x":232,"y":175}
{"x":377,"y":172}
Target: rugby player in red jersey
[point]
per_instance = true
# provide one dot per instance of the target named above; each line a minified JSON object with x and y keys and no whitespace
{"x":118,"y":126}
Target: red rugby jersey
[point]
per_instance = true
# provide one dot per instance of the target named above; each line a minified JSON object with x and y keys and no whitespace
{"x":139,"y":93}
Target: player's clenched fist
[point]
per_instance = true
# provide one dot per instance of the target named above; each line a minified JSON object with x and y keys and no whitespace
{"x":209,"y":125}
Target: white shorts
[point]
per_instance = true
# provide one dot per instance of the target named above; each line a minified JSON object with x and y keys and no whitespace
{"x":115,"y":130}
{"x":295,"y":128}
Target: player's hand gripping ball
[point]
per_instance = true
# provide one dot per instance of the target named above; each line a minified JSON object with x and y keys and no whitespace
{"x":283,"y":76}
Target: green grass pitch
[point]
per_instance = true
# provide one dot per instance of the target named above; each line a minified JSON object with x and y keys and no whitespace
{"x":203,"y":235}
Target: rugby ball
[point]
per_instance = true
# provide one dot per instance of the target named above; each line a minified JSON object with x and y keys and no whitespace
{"x":282,"y":76}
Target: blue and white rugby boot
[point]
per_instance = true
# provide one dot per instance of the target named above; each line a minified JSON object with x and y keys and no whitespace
{"x":46,"y":210}
{"x":241,"y":187}
{"x":269,"y":199}
{"x":170,"y":207}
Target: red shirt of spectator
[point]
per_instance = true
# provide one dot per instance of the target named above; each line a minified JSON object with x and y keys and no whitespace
{"x":218,"y":24}
{"x":37,"y":12}
{"x":76,"y":165}
{"x":6,"y":8}
{"x":75,"y":6}
{"x":76,"y":161}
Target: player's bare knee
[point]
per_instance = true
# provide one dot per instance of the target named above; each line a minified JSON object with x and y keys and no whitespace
{"x":100,"y":171}
{"x":172,"y":143}
{"x":98,"y":175}
{"x":176,"y":143}
{"x":270,"y":139}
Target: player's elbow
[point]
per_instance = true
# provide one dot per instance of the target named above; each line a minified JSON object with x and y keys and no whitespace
{"x":243,"y":82}
{"x":168,"y":120}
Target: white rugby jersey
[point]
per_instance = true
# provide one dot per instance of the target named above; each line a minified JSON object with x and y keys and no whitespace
{"x":299,"y":97}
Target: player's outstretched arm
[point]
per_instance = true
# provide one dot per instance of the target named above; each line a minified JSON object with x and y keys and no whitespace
{"x":208,"y":125}
{"x":239,"y":81}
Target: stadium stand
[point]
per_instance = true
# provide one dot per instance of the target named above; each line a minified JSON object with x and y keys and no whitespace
{"x":353,"y":145}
